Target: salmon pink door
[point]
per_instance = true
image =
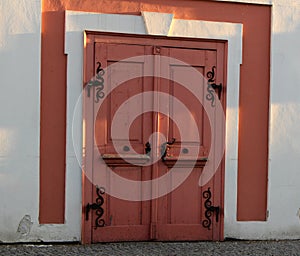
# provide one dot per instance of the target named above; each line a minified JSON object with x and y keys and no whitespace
{"x":148,"y":137}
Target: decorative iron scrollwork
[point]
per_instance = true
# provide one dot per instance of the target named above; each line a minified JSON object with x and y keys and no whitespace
{"x":212,"y":86}
{"x":99,"y":222}
{"x":209,"y":209}
{"x":98,"y":83}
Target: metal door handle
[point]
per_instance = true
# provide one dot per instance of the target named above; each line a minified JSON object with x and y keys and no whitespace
{"x":148,"y":148}
{"x":164,"y":148}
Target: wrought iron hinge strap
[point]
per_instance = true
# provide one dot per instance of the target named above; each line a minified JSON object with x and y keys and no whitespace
{"x":209,"y":209}
{"x":99,"y":222}
{"x":212,"y":86}
{"x":97,"y":83}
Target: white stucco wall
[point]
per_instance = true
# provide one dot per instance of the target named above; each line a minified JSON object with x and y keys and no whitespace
{"x":284,"y":145}
{"x":20,"y":38}
{"x":284,"y":192}
{"x":20,"y":45}
{"x":20,"y":65}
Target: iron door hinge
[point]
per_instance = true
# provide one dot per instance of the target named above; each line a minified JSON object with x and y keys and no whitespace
{"x":98,"y":207}
{"x":212,"y":87}
{"x":209,"y":210}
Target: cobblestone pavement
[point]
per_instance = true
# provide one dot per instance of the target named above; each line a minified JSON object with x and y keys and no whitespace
{"x":232,"y":248}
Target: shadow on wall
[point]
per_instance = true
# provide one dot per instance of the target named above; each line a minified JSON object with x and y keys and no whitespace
{"x":19,"y":130}
{"x":285,"y":105}
{"x":285,"y":67}
{"x":19,"y":125}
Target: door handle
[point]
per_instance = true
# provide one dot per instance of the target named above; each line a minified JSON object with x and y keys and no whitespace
{"x":147,"y":148}
{"x":164,"y":148}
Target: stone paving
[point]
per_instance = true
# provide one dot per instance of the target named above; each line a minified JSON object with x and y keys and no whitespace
{"x":233,"y":248}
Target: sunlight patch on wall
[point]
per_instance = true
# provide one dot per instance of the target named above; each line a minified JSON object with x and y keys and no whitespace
{"x":20,"y":17}
{"x":7,"y":141}
{"x":285,"y":133}
{"x":291,"y":21}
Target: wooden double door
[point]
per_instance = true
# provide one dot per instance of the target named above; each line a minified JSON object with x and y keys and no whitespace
{"x":141,"y":158}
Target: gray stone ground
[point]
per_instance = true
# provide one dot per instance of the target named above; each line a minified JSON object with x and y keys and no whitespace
{"x":265,"y":248}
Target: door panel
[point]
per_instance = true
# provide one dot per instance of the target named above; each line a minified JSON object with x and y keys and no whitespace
{"x":181,"y":214}
{"x":117,"y":54}
{"x":124,"y":220}
{"x":182,"y":210}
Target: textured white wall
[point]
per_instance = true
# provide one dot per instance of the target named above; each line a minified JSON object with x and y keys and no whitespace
{"x":20,"y":55}
{"x":284,"y":175}
{"x":20,"y":40}
{"x":284,"y":172}
{"x":284,"y":145}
